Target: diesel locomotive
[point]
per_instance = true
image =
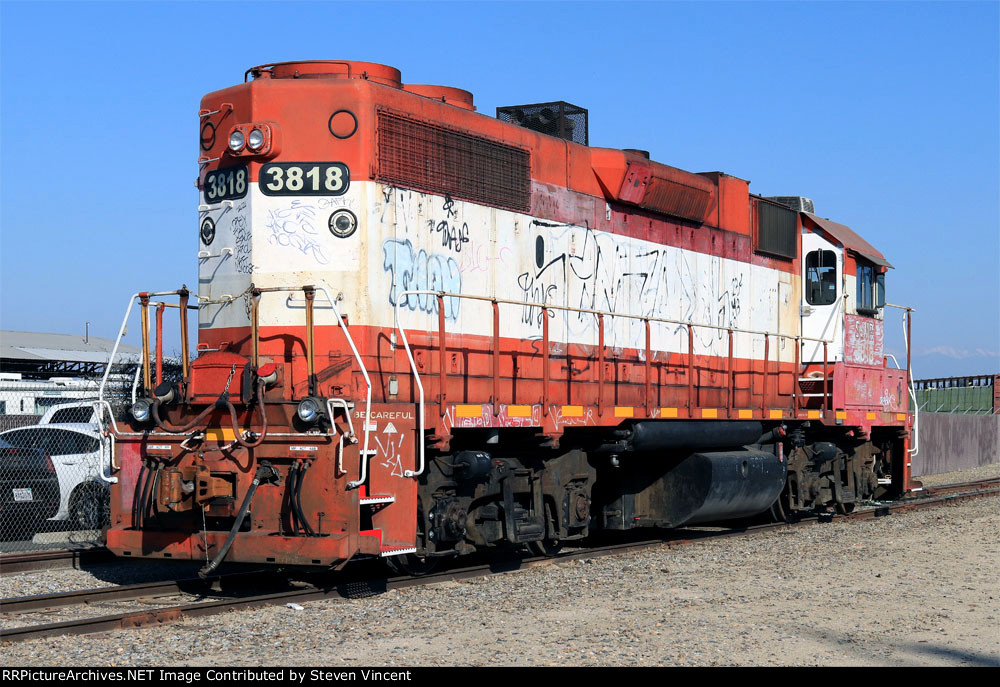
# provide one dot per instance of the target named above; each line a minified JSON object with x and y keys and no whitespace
{"x":423,"y":331}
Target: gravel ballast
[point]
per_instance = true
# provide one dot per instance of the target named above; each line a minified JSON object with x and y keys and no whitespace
{"x":916,"y":588}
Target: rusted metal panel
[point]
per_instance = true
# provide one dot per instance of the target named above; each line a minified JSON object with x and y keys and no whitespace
{"x":394,"y":439}
{"x":863,"y":340}
{"x":875,"y":389}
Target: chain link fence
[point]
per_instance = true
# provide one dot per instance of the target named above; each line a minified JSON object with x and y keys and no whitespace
{"x":55,"y":459}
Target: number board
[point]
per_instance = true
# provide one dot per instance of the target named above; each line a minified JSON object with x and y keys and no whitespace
{"x":304,"y":179}
{"x":226,"y":183}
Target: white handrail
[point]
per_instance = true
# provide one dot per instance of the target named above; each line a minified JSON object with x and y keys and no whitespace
{"x":416,"y":378}
{"x":909,"y":372}
{"x":330,"y":403}
{"x":98,"y":406}
{"x":913,"y":393}
{"x":114,"y":350}
{"x":364,"y":372}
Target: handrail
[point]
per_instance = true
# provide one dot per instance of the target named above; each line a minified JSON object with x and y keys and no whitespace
{"x":587,"y":311}
{"x":545,"y":307}
{"x":416,"y":379}
{"x":144,"y":296}
{"x":357,"y":356}
{"x":224,"y":302}
{"x":907,"y":317}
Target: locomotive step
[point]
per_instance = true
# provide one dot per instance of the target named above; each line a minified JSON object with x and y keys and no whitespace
{"x":370,"y":500}
{"x":397,"y":552}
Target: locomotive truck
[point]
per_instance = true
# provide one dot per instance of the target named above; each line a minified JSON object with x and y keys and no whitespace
{"x":423,"y":332}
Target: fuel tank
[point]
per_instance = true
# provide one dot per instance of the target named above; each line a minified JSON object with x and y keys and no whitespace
{"x":701,"y":487}
{"x":693,"y":434}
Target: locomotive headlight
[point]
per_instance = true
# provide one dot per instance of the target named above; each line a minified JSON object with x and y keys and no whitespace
{"x":236,"y":141}
{"x":343,"y":223}
{"x":141,"y":409}
{"x":310,"y":409}
{"x":256,"y":139}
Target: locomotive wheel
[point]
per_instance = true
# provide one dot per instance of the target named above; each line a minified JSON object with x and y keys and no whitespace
{"x":411,"y":564}
{"x":845,"y":508}
{"x":781,"y":509}
{"x":545,"y":547}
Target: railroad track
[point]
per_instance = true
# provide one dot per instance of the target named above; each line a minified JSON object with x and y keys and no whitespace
{"x":235,"y":591}
{"x":51,"y":560}
{"x":81,"y":558}
{"x":991,"y":483}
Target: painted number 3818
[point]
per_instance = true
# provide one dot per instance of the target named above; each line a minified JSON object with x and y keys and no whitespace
{"x":226,"y":183}
{"x":304,"y":178}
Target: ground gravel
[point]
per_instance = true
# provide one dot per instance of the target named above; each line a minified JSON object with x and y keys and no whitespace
{"x":982,"y":472}
{"x":916,"y":588}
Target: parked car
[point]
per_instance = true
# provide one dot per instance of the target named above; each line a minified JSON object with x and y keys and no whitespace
{"x":73,"y":413}
{"x":29,"y":490}
{"x":79,"y":454}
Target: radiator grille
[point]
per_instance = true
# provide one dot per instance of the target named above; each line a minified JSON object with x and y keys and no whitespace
{"x":431,"y":158}
{"x":777,"y":230}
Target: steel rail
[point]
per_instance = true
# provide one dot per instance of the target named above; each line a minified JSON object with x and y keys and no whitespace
{"x":188,"y":585}
{"x":355,"y":588}
{"x":52,"y":559}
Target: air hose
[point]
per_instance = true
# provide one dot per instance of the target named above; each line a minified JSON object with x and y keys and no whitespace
{"x":222,"y":402}
{"x":265,"y":473}
{"x":297,"y":501}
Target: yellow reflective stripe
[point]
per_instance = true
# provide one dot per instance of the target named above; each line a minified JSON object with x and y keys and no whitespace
{"x":468,"y":411}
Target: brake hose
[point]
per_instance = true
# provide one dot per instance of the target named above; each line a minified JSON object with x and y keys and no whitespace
{"x":222,"y":402}
{"x":236,"y":425}
{"x":139,"y":497}
{"x":298,"y":501}
{"x":292,"y":512}
{"x":265,"y":472}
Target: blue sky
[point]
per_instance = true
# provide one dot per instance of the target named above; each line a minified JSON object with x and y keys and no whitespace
{"x":887,"y":115}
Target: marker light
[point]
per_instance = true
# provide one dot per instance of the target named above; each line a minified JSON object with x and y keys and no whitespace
{"x":343,"y":223}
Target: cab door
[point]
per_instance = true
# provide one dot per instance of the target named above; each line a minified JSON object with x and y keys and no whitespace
{"x":822,"y":305}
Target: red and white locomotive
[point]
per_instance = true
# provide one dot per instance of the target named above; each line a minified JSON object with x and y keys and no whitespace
{"x":423,"y":331}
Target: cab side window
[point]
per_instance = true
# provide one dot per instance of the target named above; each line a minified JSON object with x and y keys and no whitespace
{"x":871,"y":289}
{"x":821,"y":277}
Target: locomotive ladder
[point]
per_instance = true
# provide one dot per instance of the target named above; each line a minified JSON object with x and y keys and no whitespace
{"x":402,"y":296}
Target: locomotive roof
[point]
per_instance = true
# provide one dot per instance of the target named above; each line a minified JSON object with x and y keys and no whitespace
{"x":850,"y":239}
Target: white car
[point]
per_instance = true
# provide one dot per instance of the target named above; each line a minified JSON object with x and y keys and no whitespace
{"x":80,"y":456}
{"x":75,"y":413}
